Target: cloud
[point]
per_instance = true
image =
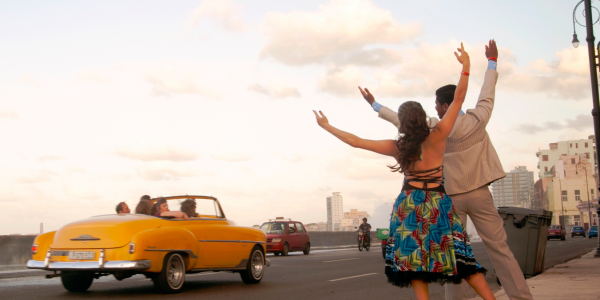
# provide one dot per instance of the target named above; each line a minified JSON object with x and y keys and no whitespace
{"x":580,"y":123}
{"x":157,"y":153}
{"x":340,"y":26}
{"x":171,"y":79}
{"x":8,"y":114}
{"x":50,"y":157}
{"x":341,"y":81}
{"x":92,"y":76}
{"x":22,"y":194}
{"x":223,"y":13}
{"x":81,"y":192}
{"x":230,"y":156}
{"x":29,"y":79}
{"x":276,"y":92}
{"x":160,"y":172}
{"x":34,"y":178}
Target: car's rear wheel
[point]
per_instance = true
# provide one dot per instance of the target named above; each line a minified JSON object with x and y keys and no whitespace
{"x":584,"y":235}
{"x":76,"y":281}
{"x":276,"y":253}
{"x":256,"y":267}
{"x":306,"y":249}
{"x":562,"y":238}
{"x":286,"y":249}
{"x":170,"y":280}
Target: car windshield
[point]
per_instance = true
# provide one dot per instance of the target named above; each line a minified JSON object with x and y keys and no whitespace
{"x":594,"y":227}
{"x":274,"y":227}
{"x":577,"y":227}
{"x":554,"y":227}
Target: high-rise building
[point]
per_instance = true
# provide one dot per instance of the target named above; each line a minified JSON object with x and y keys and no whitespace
{"x":335,"y":212}
{"x":516,"y":189}
{"x":547,"y":157}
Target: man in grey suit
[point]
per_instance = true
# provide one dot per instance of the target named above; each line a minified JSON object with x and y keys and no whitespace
{"x":470,"y":166}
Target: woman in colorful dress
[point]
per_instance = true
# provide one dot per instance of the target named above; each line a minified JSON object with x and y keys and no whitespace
{"x":427,"y":241}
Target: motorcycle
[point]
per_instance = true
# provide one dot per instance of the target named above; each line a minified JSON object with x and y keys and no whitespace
{"x":363,"y":241}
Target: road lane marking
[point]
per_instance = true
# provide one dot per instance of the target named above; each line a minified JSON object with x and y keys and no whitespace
{"x":341,"y":259}
{"x":352,"y":277}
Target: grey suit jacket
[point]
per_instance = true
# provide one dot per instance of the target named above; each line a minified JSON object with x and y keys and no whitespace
{"x":470,"y":161}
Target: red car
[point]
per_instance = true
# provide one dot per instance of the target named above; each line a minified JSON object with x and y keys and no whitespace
{"x":556,"y":232}
{"x":286,"y":236}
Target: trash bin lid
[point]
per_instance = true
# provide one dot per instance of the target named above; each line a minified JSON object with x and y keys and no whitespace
{"x":509,"y":210}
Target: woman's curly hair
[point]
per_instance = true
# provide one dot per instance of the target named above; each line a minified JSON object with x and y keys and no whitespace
{"x":412,"y":132}
{"x":189,"y":207}
{"x":156,"y":206}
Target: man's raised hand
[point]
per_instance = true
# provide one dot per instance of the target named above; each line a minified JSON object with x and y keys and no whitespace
{"x":367,"y":95}
{"x":463,"y":58}
{"x":491,"y":50}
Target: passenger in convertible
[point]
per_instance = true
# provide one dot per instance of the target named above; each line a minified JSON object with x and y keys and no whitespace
{"x":161,"y":209}
{"x":144,"y":207}
{"x":189,"y":207}
{"x":122,"y":208}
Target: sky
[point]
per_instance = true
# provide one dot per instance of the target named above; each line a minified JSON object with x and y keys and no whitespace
{"x":105,"y":101}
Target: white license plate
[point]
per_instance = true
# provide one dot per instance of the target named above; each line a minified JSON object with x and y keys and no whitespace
{"x":81,"y":255}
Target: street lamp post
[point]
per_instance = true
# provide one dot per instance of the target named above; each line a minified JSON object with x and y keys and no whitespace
{"x":594,"y":80}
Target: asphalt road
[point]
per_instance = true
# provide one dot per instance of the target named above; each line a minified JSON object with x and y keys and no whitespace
{"x":326,"y":274}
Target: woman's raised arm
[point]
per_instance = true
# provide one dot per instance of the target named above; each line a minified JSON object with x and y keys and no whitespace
{"x":444,"y":127}
{"x":385,"y":147}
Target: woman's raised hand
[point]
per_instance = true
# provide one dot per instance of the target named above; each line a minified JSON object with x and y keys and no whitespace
{"x":321,"y":119}
{"x":463,"y":58}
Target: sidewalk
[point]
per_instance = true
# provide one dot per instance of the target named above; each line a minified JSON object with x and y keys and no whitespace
{"x":577,"y":279}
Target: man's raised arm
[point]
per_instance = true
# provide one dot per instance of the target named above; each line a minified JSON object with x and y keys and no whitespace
{"x":386,"y":113}
{"x":485,"y":103}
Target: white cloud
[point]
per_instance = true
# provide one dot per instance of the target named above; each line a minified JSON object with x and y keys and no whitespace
{"x":230,"y":156}
{"x":275,"y":92}
{"x":170,"y":78}
{"x":340,"y":26}
{"x":34,"y":178}
{"x":341,"y":81}
{"x":8,"y":114}
{"x":29,"y":79}
{"x":223,"y":13}
{"x":80,"y":191}
{"x":581,"y":122}
{"x":92,"y":76}
{"x":361,"y":169}
{"x":50,"y":157}
{"x":157,"y":153}
{"x":21,"y":194}
{"x":165,"y":171}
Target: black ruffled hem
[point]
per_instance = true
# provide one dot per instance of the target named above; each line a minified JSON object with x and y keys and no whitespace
{"x":404,"y":278}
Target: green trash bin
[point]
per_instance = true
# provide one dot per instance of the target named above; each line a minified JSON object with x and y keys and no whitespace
{"x":527,"y":233}
{"x":382,"y":234}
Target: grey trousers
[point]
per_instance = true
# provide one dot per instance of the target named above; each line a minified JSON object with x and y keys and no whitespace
{"x":479,"y":206}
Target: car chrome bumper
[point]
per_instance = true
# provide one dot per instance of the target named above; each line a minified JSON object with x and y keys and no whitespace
{"x":90,"y":265}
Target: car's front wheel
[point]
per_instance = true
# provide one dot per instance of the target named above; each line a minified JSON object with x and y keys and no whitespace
{"x":256,"y":267}
{"x":306,"y":249}
{"x":170,"y":280}
{"x":286,"y":249}
{"x":276,"y":253}
{"x":76,"y":281}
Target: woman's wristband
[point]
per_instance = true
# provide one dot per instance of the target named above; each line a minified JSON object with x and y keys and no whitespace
{"x":493,"y":58}
{"x":465,"y":73}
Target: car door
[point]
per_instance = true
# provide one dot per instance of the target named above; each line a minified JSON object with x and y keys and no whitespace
{"x":303,"y":236}
{"x":294,"y":238}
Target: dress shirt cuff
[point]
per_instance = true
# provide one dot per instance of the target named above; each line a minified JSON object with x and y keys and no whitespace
{"x":376,"y":106}
{"x":492,"y":64}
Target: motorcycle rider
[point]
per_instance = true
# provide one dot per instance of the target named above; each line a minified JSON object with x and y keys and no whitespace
{"x":365,"y":227}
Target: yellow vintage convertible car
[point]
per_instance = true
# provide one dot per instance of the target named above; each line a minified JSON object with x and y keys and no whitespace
{"x":163,"y":249}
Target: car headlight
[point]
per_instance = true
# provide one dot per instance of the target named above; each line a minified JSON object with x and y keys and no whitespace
{"x":276,"y":240}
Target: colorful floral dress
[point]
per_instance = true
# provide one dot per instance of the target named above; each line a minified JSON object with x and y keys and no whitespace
{"x":427,"y":239}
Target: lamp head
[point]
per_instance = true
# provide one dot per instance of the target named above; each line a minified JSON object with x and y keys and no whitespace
{"x":575,"y":41}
